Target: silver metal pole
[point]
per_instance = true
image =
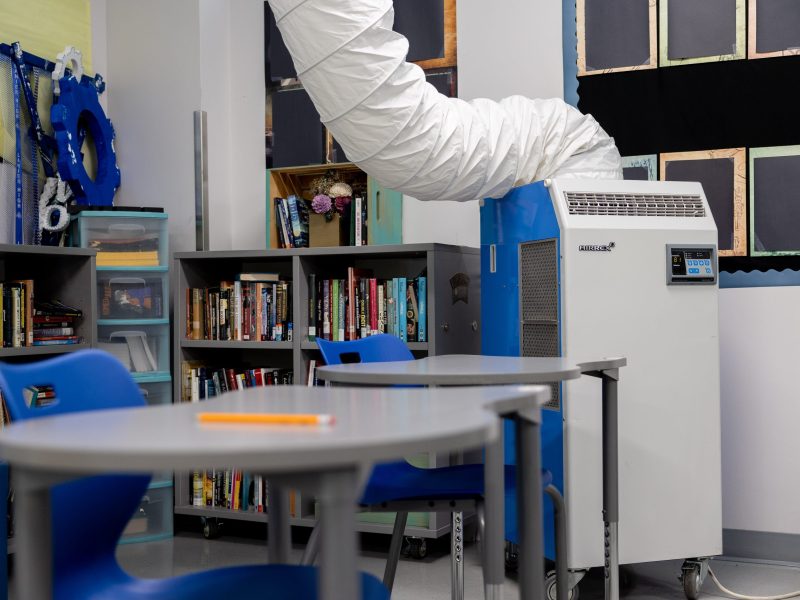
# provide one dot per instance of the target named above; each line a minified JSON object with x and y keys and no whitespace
{"x":201,"y":179}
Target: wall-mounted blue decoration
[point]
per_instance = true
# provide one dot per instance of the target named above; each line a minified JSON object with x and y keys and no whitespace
{"x":78,"y":104}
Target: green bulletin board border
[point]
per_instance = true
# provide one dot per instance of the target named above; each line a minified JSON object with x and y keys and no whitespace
{"x":767,"y":152}
{"x":663,"y":30}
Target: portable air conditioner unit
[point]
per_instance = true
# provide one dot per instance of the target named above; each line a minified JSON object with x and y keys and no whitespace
{"x":593,"y":268}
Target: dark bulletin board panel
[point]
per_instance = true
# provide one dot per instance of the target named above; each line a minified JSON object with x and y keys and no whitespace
{"x":722,"y":174}
{"x":693,"y":31}
{"x":429,"y":25}
{"x":775,"y":201}
{"x":616,"y":35}
{"x":773,"y":28}
{"x":422,"y":22}
{"x":640,"y":168}
{"x":298,"y":136}
{"x":278,"y":63}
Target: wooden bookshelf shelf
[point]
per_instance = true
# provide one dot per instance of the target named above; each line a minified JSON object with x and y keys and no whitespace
{"x":451,"y":326}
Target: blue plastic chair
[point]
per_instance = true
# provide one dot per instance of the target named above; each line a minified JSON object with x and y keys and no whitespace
{"x":89,"y":515}
{"x":402,"y":482}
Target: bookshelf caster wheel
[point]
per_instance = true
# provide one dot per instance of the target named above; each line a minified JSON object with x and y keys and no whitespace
{"x":512,"y":557}
{"x":417,"y":548}
{"x":211,"y":528}
{"x":550,"y":588}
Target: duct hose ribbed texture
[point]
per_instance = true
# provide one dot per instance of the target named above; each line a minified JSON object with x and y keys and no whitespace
{"x":399,"y":129}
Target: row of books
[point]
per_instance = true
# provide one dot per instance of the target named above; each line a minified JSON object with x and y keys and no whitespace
{"x":257,"y":307}
{"x":362,"y":305}
{"x":291,"y":220}
{"x":235,"y":490}
{"x":27,"y":321}
{"x":229,"y":488}
{"x":200,"y":382}
{"x":134,"y":251}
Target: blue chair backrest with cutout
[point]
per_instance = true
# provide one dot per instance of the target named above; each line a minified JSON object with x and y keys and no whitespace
{"x":375,"y":348}
{"x":90,"y":514}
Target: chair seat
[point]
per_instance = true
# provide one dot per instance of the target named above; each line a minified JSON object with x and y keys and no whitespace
{"x":402,"y":481}
{"x":278,"y":582}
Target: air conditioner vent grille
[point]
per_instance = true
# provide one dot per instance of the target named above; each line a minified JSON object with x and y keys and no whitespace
{"x":634,"y":205}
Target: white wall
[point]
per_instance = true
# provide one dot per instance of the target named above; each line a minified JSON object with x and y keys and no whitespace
{"x":512,"y":48}
{"x":165,"y":60}
{"x":153,"y":89}
{"x":759,"y":356}
{"x":232,"y":92}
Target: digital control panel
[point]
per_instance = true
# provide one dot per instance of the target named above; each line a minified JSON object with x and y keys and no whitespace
{"x":691,"y":265}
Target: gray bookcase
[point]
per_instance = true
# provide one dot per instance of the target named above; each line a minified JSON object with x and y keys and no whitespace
{"x":66,"y":274}
{"x":453,"y":327}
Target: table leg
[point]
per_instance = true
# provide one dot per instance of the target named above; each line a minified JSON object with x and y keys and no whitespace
{"x":611,"y":486}
{"x":457,"y":556}
{"x":34,"y":567}
{"x":529,"y":509}
{"x":494,"y":515}
{"x":338,"y":575}
{"x":280,"y":532}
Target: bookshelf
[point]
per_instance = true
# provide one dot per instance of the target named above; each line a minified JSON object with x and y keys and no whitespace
{"x":66,"y":274}
{"x":132,"y":311}
{"x":452,"y":325}
{"x":384,"y":206}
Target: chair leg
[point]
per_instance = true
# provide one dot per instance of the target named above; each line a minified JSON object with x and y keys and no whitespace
{"x":395,"y":547}
{"x":312,"y":547}
{"x":457,"y":555}
{"x":560,"y":518}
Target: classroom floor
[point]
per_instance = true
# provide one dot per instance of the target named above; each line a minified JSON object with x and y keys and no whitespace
{"x":429,"y":579}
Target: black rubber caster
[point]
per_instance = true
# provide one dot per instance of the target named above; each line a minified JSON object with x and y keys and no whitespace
{"x":211,"y":528}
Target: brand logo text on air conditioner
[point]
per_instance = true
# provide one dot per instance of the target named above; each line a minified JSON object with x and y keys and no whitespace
{"x":597,"y":247}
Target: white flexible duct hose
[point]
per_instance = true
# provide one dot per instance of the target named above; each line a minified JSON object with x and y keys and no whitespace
{"x":399,"y":129}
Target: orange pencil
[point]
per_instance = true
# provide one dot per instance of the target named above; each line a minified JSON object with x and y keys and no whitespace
{"x":265,"y":418}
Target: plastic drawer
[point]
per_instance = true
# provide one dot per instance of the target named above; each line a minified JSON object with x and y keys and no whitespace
{"x":123,"y":238}
{"x":143,"y":349}
{"x":157,"y":393}
{"x":153,"y":518}
{"x":132,"y":295}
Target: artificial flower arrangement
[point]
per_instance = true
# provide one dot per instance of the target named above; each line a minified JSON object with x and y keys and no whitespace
{"x":331,"y":196}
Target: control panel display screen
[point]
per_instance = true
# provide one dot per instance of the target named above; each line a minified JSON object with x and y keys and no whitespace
{"x":691,"y":265}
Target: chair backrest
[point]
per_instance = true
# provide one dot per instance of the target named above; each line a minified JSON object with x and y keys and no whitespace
{"x":89,"y":515}
{"x":375,"y":348}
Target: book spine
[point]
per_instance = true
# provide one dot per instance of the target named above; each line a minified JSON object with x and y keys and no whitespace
{"x":412,"y":316}
{"x":266,"y":333}
{"x":326,"y":308}
{"x":246,"y":312}
{"x":237,"y":311}
{"x":294,"y":217}
{"x":364,"y":236}
{"x":312,"y":307}
{"x":358,"y":201}
{"x":53,"y":331}
{"x":422,"y":299}
{"x":342,"y":309}
{"x":287,"y":222}
{"x":2,"y":321}
{"x":335,"y":311}
{"x":402,"y":308}
{"x":362,"y":307}
{"x":197,"y":489}
{"x":351,"y":304}
{"x":16,"y":332}
{"x":373,"y":306}
{"x":381,"y":308}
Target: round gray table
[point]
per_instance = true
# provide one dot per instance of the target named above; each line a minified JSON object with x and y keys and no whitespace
{"x":371,"y":425}
{"x":475,"y":370}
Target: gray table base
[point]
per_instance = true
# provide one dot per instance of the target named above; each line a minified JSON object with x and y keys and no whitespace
{"x":529,"y":495}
